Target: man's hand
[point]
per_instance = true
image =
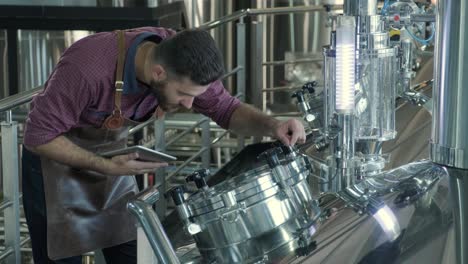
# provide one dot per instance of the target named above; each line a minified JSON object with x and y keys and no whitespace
{"x":290,"y":132}
{"x":129,"y":165}
{"x":249,"y":121}
{"x":64,"y":151}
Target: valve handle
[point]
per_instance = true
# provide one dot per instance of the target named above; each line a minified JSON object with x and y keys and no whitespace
{"x":310,"y":87}
{"x":299,"y":95}
{"x":198,"y":177}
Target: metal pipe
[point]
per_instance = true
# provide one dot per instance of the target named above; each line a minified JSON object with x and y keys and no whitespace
{"x":18,"y":99}
{"x":283,"y":62}
{"x":186,"y":162}
{"x":217,"y":139}
{"x":345,"y":177}
{"x":183,"y":123}
{"x":206,"y":143}
{"x":225,"y":19}
{"x":234,"y":71}
{"x":292,"y":34}
{"x":139,"y":127}
{"x":458,"y":187}
{"x":449,"y":145}
{"x":264,"y":11}
{"x":256,"y":53}
{"x":8,"y":116}
{"x":280,"y":89}
{"x":160,"y":173}
{"x":24,"y":241}
{"x":10,"y":165}
{"x":289,"y":10}
{"x":241,"y":62}
{"x":285,"y":114}
{"x":141,"y":208}
{"x":6,"y":253}
{"x":6,"y":203}
{"x":186,"y":131}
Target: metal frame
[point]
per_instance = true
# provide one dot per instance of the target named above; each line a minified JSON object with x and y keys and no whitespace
{"x":10,"y":170}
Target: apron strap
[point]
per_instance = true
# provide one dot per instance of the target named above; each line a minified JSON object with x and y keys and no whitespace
{"x":116,"y":120}
{"x":120,"y":68}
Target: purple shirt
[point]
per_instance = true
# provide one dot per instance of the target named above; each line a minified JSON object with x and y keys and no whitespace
{"x":80,"y":91}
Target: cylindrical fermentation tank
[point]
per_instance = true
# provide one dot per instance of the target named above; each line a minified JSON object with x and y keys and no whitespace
{"x":265,"y":214}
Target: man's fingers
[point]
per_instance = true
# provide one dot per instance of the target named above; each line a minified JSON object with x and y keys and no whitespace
{"x":294,"y":137}
{"x":284,"y":139}
{"x":125,"y":158}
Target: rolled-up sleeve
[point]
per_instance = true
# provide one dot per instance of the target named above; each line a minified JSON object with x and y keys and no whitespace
{"x":58,"y":107}
{"x":217,"y":104}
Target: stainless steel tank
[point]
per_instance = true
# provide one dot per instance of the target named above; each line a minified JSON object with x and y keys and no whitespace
{"x":399,"y":216}
{"x":263,"y":215}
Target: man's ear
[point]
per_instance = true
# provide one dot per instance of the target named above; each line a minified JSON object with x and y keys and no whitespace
{"x":158,"y":72}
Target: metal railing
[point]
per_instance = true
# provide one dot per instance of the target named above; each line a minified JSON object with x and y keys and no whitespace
{"x":141,"y":207}
{"x":239,"y":15}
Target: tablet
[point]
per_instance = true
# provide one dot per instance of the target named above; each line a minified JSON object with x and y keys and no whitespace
{"x":144,"y":154}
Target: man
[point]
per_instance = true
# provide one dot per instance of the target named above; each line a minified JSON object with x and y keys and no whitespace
{"x":74,"y":200}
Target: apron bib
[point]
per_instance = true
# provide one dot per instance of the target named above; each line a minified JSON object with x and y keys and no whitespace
{"x":85,"y":209}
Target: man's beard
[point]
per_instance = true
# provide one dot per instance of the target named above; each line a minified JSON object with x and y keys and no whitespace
{"x":157,"y":88}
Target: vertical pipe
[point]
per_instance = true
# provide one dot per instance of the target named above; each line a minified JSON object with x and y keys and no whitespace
{"x":194,"y":4}
{"x":241,"y":40}
{"x":141,"y":208}
{"x":256,"y":79}
{"x":8,"y":116}
{"x":450,"y":125}
{"x":458,"y":188}
{"x":256,"y":67}
{"x":206,"y":143}
{"x":449,"y":143}
{"x":161,"y":173}
{"x":241,"y":43}
{"x":10,"y":172}
{"x":145,"y":253}
{"x":291,"y":29}
{"x":269,"y":43}
{"x":345,"y":165}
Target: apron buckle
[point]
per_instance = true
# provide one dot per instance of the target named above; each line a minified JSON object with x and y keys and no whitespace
{"x":115,"y":120}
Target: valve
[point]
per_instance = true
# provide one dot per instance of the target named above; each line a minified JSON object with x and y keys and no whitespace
{"x":177,"y":194}
{"x":299,"y":95}
{"x":310,"y":87}
{"x":198,"y":177}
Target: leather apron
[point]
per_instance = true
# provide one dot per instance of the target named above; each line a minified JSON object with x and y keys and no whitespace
{"x":87,"y":210}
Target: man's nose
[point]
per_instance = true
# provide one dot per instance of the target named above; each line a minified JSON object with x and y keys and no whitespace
{"x":187,"y":102}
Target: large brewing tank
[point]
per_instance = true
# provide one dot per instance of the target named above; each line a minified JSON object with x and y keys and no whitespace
{"x":399,"y":216}
{"x":264,"y":215}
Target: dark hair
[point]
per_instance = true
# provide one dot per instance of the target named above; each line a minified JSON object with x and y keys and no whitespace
{"x":191,"y":53}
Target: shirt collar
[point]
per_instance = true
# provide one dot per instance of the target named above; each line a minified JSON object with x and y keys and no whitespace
{"x":130,"y":81}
